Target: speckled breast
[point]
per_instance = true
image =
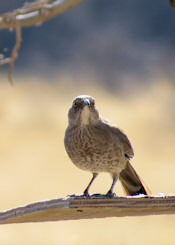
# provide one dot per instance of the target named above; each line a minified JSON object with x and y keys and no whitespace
{"x":91,"y":150}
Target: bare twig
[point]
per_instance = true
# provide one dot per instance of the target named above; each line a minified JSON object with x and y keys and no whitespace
{"x":14,"y":54}
{"x":31,"y":14}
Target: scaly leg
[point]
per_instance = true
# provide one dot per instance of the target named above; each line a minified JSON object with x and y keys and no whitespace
{"x":86,"y":193}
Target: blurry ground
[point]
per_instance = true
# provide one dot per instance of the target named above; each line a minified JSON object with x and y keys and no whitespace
{"x":34,"y":165}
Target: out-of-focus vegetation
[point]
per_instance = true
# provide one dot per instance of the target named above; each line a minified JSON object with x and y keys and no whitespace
{"x":119,"y":41}
{"x":34,"y":165}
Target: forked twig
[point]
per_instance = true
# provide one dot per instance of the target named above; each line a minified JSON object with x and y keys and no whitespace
{"x":31,"y":14}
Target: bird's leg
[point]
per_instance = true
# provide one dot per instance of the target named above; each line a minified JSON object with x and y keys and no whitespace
{"x":110,"y":192}
{"x":86,"y":193}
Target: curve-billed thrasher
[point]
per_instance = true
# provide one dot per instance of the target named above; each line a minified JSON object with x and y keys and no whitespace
{"x":95,"y":145}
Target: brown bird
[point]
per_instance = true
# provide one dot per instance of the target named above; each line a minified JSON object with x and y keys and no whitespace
{"x":94,"y":144}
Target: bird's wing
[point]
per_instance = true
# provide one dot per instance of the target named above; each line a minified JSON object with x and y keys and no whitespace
{"x":128,"y":150}
{"x":121,"y":136}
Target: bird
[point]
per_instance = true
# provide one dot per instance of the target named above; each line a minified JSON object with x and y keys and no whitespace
{"x":96,"y":145}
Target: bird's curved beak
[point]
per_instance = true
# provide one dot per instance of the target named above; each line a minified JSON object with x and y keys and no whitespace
{"x":86,"y":102}
{"x":85,"y":113}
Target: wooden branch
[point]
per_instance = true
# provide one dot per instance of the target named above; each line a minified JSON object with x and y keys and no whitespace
{"x":33,"y":14}
{"x":14,"y":54}
{"x":82,"y":208}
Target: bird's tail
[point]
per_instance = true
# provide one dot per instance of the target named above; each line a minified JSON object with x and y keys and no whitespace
{"x":132,"y":183}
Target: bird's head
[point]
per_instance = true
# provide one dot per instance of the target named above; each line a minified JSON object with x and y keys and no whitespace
{"x":83,"y":111}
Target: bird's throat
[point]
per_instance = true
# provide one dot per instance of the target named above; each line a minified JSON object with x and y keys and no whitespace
{"x":85,"y":115}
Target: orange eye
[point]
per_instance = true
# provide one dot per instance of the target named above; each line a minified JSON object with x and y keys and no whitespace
{"x":93,"y":103}
{"x":74,"y":104}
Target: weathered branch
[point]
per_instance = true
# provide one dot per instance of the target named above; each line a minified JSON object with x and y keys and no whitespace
{"x":82,"y":208}
{"x":35,"y":13}
{"x":31,"y":14}
{"x":14,"y":54}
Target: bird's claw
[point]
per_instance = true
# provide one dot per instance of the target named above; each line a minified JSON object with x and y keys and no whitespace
{"x":97,"y":195}
{"x":86,"y":194}
{"x":110,"y":194}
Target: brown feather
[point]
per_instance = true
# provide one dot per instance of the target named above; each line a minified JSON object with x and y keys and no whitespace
{"x":132,"y":183}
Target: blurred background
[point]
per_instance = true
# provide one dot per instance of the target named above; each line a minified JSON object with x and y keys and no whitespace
{"x":121,"y":53}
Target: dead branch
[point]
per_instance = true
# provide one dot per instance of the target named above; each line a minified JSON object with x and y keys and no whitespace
{"x":31,"y":14}
{"x":14,"y":54}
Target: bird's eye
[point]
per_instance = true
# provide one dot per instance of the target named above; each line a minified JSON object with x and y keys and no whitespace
{"x":75,"y":105}
{"x":93,"y":103}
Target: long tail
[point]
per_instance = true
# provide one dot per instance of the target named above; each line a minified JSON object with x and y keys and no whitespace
{"x":132,"y":183}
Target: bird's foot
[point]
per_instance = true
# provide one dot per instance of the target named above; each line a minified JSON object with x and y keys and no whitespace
{"x":78,"y":196}
{"x":86,"y":194}
{"x":97,"y":195}
{"x":110,"y":194}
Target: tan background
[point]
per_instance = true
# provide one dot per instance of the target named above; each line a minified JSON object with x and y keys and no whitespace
{"x":34,"y":165}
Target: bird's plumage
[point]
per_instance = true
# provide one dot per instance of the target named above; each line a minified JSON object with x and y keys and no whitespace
{"x":95,"y":145}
